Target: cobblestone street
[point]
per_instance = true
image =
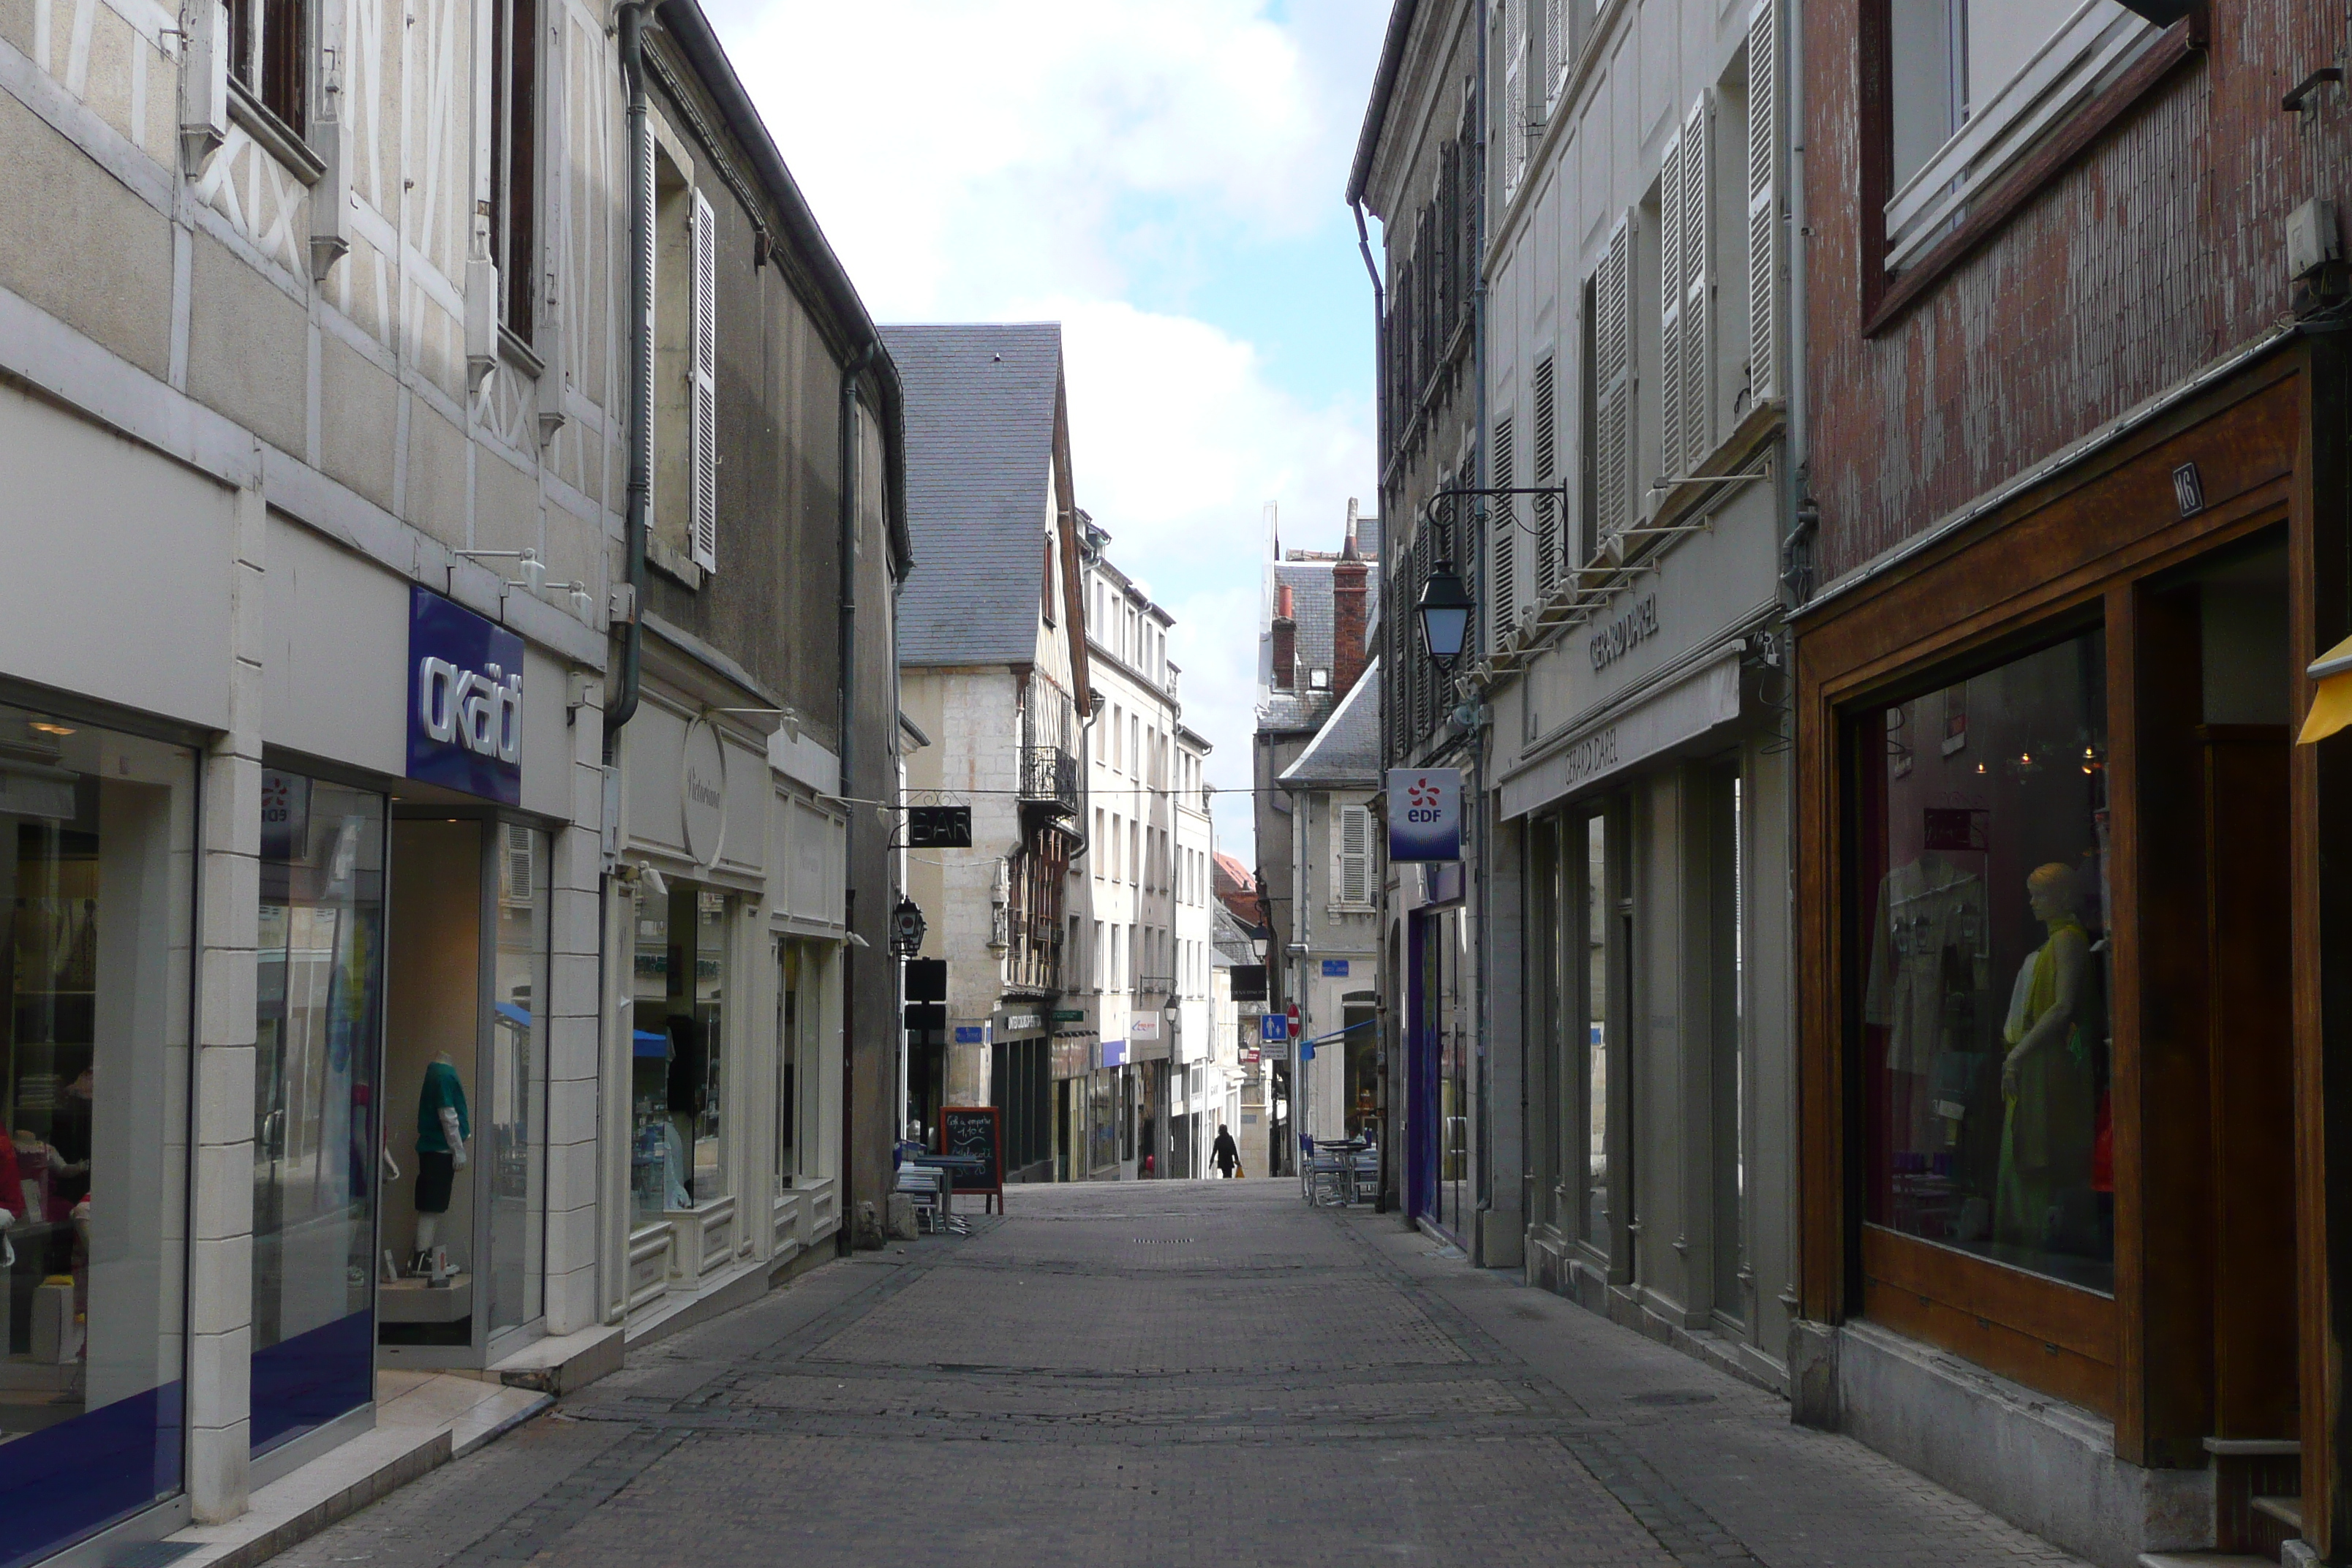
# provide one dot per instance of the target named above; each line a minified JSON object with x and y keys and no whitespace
{"x":1167,"y":1373}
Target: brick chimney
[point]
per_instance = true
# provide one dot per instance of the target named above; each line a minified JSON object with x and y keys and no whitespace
{"x":1347,"y":575}
{"x":1285,"y":642}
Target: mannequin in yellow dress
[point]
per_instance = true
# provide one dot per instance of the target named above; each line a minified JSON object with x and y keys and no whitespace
{"x":2045,"y":1080}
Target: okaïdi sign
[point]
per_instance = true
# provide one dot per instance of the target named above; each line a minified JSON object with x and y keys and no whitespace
{"x":464,"y":700}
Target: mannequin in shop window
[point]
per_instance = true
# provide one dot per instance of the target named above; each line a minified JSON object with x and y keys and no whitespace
{"x":2046,"y":1079}
{"x":443,"y":1126}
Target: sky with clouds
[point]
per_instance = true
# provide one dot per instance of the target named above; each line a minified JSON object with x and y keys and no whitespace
{"x":1166,"y":180}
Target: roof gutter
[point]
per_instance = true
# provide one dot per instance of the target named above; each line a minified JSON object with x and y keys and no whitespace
{"x":685,"y":21}
{"x":1376,"y":113}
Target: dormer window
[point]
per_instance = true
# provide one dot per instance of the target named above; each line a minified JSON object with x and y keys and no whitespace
{"x":1319,"y":680}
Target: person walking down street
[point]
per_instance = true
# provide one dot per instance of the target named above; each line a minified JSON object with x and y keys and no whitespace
{"x":1224,"y":1154}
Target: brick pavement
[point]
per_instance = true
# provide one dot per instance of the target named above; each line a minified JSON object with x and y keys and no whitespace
{"x":1167,"y":1373}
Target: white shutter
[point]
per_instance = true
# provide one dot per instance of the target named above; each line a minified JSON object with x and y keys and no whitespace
{"x":1671,"y":294}
{"x":1763,"y":202}
{"x":705,"y":389}
{"x":1696,"y":371}
{"x":650,"y":262}
{"x":1511,"y":115}
{"x":1546,"y":471}
{"x":1355,"y":877}
{"x":1612,"y":381}
{"x":1503,"y":542}
{"x":519,"y":880}
{"x":1555,"y":51}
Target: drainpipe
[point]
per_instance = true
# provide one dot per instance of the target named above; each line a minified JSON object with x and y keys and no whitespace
{"x":641,"y":407}
{"x":623,"y":706}
{"x":1379,"y":399}
{"x":846,"y":1202}
{"x":1481,"y":883}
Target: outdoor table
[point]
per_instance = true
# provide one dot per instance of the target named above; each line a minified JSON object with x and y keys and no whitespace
{"x":954,"y":1165}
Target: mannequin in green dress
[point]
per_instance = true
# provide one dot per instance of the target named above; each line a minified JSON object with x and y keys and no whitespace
{"x":2045,"y":1080}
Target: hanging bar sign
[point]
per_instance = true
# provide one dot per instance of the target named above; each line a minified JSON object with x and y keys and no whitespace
{"x":464,"y":700}
{"x":1425,"y":813}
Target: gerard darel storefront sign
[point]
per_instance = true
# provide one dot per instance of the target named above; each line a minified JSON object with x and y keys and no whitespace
{"x":464,"y":700}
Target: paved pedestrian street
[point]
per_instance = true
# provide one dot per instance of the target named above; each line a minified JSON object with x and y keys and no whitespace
{"x":1192,"y":1372}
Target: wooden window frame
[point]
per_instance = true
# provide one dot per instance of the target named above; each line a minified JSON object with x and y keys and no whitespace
{"x":515,"y":73}
{"x":1885,"y":300}
{"x":2080,"y":547}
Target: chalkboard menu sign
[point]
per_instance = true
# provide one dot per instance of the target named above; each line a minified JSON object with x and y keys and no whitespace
{"x":972,"y":1133}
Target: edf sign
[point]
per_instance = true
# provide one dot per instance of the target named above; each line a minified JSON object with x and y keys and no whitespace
{"x":1425,"y":813}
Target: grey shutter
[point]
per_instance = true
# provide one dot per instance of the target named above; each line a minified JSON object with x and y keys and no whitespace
{"x":705,"y":390}
{"x":1511,"y":123}
{"x":1502,"y":550}
{"x":1670,"y":309}
{"x":1697,"y":370}
{"x":651,"y":263}
{"x":1763,"y":202}
{"x":1354,"y":888}
{"x":1612,"y":343}
{"x":1547,"y":560}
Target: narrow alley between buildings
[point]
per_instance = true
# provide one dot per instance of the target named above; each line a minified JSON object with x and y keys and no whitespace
{"x":1167,"y":1373}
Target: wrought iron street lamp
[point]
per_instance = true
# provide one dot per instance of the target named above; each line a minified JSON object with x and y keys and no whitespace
{"x":1444,"y":611}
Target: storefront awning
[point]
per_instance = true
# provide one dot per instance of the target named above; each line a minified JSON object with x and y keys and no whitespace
{"x":2331,"y":705}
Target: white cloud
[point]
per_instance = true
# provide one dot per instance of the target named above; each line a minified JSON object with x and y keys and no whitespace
{"x":950,"y":146}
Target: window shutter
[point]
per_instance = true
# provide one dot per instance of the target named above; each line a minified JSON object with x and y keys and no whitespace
{"x":1670,"y":309}
{"x":1511,"y":122}
{"x":1763,"y":202}
{"x":1613,"y":383}
{"x":1555,"y":51}
{"x":1503,"y":546}
{"x":1698,"y":368}
{"x":1355,"y":880}
{"x":1546,"y":507}
{"x":650,"y":263}
{"x":519,"y":881}
{"x":705,"y":390}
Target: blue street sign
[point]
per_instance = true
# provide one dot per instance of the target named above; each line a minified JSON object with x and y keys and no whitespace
{"x":1335,"y":969}
{"x":1274,"y":1027}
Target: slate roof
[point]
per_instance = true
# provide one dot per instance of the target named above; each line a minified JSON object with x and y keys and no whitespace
{"x":1303,"y":707}
{"x":1347,"y":749}
{"x":981,"y":404}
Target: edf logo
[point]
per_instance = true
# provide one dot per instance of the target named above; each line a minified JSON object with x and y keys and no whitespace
{"x":1424,"y":815}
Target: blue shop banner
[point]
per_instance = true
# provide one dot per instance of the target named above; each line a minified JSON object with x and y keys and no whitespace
{"x":464,"y":700}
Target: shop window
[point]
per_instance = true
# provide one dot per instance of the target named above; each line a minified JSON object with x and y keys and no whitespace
{"x":1726,"y":1028}
{"x":1598,"y":917}
{"x":514,"y":1079}
{"x":316,"y":1138}
{"x":675,"y":1155}
{"x":97,"y":839}
{"x":799,"y":1025}
{"x":1985,"y":1048}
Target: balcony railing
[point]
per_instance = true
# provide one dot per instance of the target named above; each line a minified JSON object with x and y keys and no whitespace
{"x":1049,"y":776}
{"x":1156,"y":985}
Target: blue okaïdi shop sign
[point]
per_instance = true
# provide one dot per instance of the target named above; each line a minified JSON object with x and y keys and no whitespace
{"x":464,"y":700}
{"x":1425,"y":813}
